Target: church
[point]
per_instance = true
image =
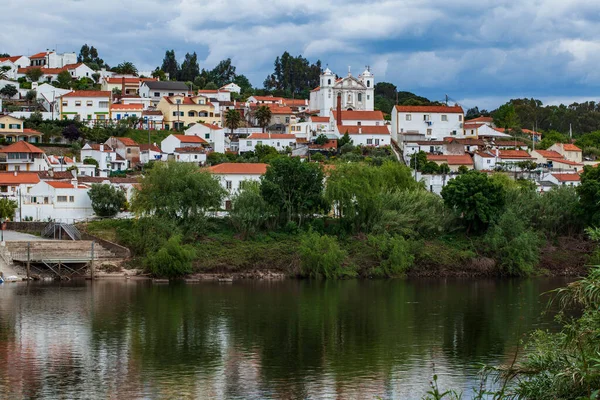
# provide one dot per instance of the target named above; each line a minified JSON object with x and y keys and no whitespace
{"x":358,"y":94}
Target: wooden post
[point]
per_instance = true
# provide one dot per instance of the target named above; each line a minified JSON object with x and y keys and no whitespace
{"x":92,"y":263}
{"x":59,"y":272}
{"x":28,"y":261}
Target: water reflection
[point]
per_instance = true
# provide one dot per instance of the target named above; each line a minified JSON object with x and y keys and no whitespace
{"x":285,"y":340}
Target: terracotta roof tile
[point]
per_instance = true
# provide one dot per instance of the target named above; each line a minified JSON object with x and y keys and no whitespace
{"x":88,"y":93}
{"x":60,"y":184}
{"x":198,"y":149}
{"x":480,"y":119}
{"x":190,"y":139}
{"x":570,"y":147}
{"x":549,"y":153}
{"x":17,"y":178}
{"x":319,"y":119}
{"x":263,"y":136}
{"x":239,"y":169}
{"x":361,"y":115}
{"x":567,"y":177}
{"x":464,"y":159}
{"x":363,"y":130}
{"x":21,"y":147}
{"x":514,"y":154}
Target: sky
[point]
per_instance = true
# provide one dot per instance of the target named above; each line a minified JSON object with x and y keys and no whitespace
{"x":479,"y":53}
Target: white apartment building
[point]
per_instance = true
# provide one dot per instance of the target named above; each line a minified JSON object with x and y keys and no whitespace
{"x":367,"y":135}
{"x":107,"y":158}
{"x":213,"y":134}
{"x":435,"y":122}
{"x":23,"y":156}
{"x":233,"y":175}
{"x":61,"y":201}
{"x":280,"y":141}
{"x":51,"y":59}
{"x":86,"y":105}
{"x":156,"y":90}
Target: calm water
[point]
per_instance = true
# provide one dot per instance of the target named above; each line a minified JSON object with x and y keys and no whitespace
{"x":255,"y":340}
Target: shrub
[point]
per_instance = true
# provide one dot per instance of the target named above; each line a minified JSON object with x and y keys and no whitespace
{"x":250,"y":212}
{"x":172,"y":259}
{"x":393,"y":253}
{"x":322,"y":257}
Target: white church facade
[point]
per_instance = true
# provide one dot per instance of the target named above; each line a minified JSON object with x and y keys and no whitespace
{"x":357,"y":94}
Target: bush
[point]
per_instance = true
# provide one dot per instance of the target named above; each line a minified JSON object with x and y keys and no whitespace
{"x":393,"y":253}
{"x":322,"y":257}
{"x":318,"y":157}
{"x":514,"y":246}
{"x":145,"y":235}
{"x":250,"y":212}
{"x":172,"y":259}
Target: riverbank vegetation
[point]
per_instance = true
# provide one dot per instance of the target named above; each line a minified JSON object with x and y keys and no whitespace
{"x":356,"y":220}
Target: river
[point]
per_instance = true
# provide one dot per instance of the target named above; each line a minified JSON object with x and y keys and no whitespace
{"x":260,"y":340}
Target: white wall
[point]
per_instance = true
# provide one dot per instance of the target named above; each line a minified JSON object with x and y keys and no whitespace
{"x":94,"y":110}
{"x":46,"y":205}
{"x":279,"y":144}
{"x":438,"y":129}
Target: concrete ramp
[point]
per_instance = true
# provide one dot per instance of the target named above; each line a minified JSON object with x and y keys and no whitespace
{"x":58,"y":250}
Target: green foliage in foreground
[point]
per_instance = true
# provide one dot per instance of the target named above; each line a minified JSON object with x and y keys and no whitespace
{"x":107,"y":200}
{"x":322,"y":257}
{"x":173,"y":259}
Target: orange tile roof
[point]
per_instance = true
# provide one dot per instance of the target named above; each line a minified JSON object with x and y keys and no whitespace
{"x":50,"y":71}
{"x":60,"y":184}
{"x":127,"y":107}
{"x":17,"y":178}
{"x":152,"y":147}
{"x":208,"y":91}
{"x":239,"y":168}
{"x":464,"y":159}
{"x":567,"y":177}
{"x":514,"y":154}
{"x":431,"y":109}
{"x":268,"y":98}
{"x":127,"y":80}
{"x":363,"y":130}
{"x":210,"y":126}
{"x":11,"y":58}
{"x":41,"y":54}
{"x":361,"y":115}
{"x":107,"y":148}
{"x":316,"y":89}
{"x":194,"y":149}
{"x":259,"y":136}
{"x":330,"y":144}
{"x":129,"y":142}
{"x":188,"y":101}
{"x":31,"y":132}
{"x":190,"y":139}
{"x":21,"y":147}
{"x":570,"y":147}
{"x":480,"y":119}
{"x":473,"y":125}
{"x":565,"y":161}
{"x":319,"y":119}
{"x":295,"y":102}
{"x":88,"y":93}
{"x":484,"y":154}
{"x":549,"y":153}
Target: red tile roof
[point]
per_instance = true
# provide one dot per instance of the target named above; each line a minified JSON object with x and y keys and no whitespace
{"x":330,"y":144}
{"x":190,"y":150}
{"x":480,"y":119}
{"x":431,"y":109}
{"x":570,"y":147}
{"x":319,"y":119}
{"x":153,"y":147}
{"x":21,"y":147}
{"x":50,"y":71}
{"x":361,"y":115}
{"x":473,"y":126}
{"x":363,"y":130}
{"x":88,"y":93}
{"x":295,"y":102}
{"x":261,"y":136}
{"x":239,"y":169}
{"x":567,"y":177}
{"x":190,"y":139}
{"x":28,"y":131}
{"x":484,"y":154}
{"x":464,"y":159}
{"x":60,"y":184}
{"x":12,"y":59}
{"x":208,"y":91}
{"x":129,"y":142}
{"x":127,"y":107}
{"x":514,"y":154}
{"x":134,"y":80}
{"x":40,"y":55}
{"x":17,"y":178}
{"x":565,"y":161}
{"x":211,"y":126}
{"x":549,"y":153}
{"x":107,"y":148}
{"x":187,"y":101}
{"x":268,"y":98}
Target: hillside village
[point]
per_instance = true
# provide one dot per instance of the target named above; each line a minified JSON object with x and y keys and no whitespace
{"x":195,"y":125}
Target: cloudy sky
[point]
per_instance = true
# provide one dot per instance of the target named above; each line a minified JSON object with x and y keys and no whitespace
{"x":479,"y":52}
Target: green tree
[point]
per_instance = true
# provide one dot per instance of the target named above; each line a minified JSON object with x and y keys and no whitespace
{"x":178,"y":191}
{"x":250,"y":212}
{"x":34,"y":74}
{"x":222,"y":74}
{"x":294,"y":187}
{"x":589,"y":193}
{"x":344,"y":140}
{"x":9,"y":91}
{"x":475,"y":198}
{"x":506,"y":117}
{"x":243,"y":83}
{"x":393,"y":253}
{"x":318,"y":157}
{"x":172,"y":260}
{"x":159,"y":74}
{"x":265,"y":153}
{"x":107,"y":200}
{"x":444,"y":169}
{"x":233,"y":119}
{"x":170,"y":65}
{"x":126,"y":68}
{"x":7,"y":208}
{"x":71,"y":132}
{"x":211,"y":86}
{"x":322,"y":257}
{"x":189,"y":67}
{"x":321,"y":139}
{"x":293,"y":76}
{"x":263,"y":116}
{"x":64,"y":80}
{"x":418,"y":160}
{"x":30,"y":96}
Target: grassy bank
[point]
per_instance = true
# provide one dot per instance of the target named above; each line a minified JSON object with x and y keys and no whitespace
{"x":223,"y":251}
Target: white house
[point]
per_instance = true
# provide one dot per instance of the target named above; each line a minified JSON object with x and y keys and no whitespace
{"x":280,"y":141}
{"x":568,"y":151}
{"x":371,"y":118}
{"x":49,"y":96}
{"x":12,"y":183}
{"x":312,"y":128}
{"x":61,"y":201}
{"x":213,"y":134}
{"x":156,"y":90}
{"x":355,"y":93}
{"x":220,"y":95}
{"x":23,"y":156}
{"x":231,"y":87}
{"x":436,"y":122}
{"x":107,"y":158}
{"x":77,"y":71}
{"x":86,"y":105}
{"x":150,"y":152}
{"x":122,"y":111}
{"x":367,"y":135}
{"x":153,"y":119}
{"x":196,"y":155}
{"x":51,"y":59}
{"x":264,"y":100}
{"x":233,"y":175}
{"x":14,"y":63}
{"x":484,"y":160}
{"x":173,"y":142}
{"x":564,"y":179}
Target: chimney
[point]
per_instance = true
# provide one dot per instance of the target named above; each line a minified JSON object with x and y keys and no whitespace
{"x":359,"y":130}
{"x":101,"y":147}
{"x":15,"y":172}
{"x":339,"y":109}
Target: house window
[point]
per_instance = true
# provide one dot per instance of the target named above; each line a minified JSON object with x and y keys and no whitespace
{"x":489,"y":161}
{"x":376,"y":142}
{"x":103,"y":104}
{"x":61,"y":199}
{"x":171,"y":94}
{"x":460,"y":117}
{"x":181,"y":114}
{"x":278,"y":144}
{"x":368,"y":97}
{"x":444,"y":118}
{"x":329,"y":81}
{"x":17,"y":168}
{"x":190,"y":114}
{"x":89,"y":116}
{"x":228,"y":205}
{"x":174,"y":113}
{"x":429,"y":131}
{"x":207,"y":136}
{"x":359,"y":123}
{"x":195,"y":156}
{"x":77,"y":103}
{"x":426,"y":117}
{"x":65,"y":103}
{"x":128,"y":151}
{"x":287,"y":120}
{"x":291,"y":144}
{"x":259,"y":142}
{"x":228,"y":184}
{"x":368,"y":83}
{"x":360,"y":97}
{"x":376,"y":123}
{"x":454,"y":133}
{"x":14,"y":126}
{"x":71,"y":199}
{"x":89,"y":103}
{"x":249,"y":143}
{"x":156,"y":94}
{"x":369,"y":141}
